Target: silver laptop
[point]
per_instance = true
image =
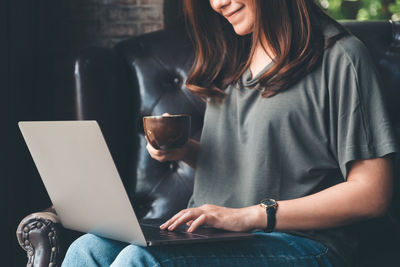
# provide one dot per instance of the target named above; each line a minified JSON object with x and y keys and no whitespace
{"x":86,"y":190}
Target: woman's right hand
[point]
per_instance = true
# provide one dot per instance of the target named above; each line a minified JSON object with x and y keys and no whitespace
{"x":166,"y":155}
{"x":188,"y":153}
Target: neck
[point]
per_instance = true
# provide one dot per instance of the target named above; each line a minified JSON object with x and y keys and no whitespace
{"x":260,"y":58}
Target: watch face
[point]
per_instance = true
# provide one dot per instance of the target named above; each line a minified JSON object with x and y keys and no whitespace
{"x":268,"y":202}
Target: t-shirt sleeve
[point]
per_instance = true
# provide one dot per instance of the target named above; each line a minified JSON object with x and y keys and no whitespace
{"x":359,"y":124}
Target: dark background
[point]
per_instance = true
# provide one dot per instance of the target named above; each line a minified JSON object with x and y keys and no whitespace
{"x":39,"y":40}
{"x":24,"y":96}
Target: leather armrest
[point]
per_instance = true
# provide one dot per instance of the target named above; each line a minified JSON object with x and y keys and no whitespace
{"x":38,"y":235}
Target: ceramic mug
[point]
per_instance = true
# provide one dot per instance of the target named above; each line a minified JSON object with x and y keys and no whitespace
{"x":167,"y":131}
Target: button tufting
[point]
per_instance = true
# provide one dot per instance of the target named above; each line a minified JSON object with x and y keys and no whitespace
{"x":51,"y":234}
{"x":39,"y":224}
{"x":26,"y":242}
{"x":51,"y":264}
{"x":176,"y":80}
{"x":53,"y":249}
{"x":30,"y":252}
{"x":26,"y":229}
{"x":173,"y":166}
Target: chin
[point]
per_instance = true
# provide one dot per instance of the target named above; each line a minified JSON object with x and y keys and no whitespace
{"x":242,"y":30}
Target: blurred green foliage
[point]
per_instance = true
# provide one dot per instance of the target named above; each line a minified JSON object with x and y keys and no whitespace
{"x":362,"y":9}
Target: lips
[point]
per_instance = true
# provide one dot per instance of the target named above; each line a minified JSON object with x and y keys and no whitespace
{"x":230,"y":14}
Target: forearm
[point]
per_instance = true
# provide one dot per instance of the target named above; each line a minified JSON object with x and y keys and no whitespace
{"x":333,"y":207}
{"x":359,"y":198}
{"x":336,"y":206}
{"x":191,"y":151}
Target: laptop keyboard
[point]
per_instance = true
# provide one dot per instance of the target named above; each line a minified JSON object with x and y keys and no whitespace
{"x":155,"y":233}
{"x":155,"y":236}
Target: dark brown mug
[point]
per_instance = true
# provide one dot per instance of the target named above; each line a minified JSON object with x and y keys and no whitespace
{"x":167,"y":131}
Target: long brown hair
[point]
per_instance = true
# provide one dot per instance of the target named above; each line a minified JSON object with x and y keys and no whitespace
{"x":293,"y":31}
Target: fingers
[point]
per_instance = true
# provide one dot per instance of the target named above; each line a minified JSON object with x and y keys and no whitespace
{"x":197,"y":223}
{"x":189,"y":216}
{"x":158,"y":154}
{"x":172,"y":220}
{"x":165,"y":155}
{"x":152,"y":150}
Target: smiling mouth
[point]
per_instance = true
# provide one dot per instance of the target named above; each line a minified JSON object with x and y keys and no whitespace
{"x":232,"y":13}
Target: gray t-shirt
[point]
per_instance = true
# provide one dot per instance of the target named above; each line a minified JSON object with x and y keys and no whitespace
{"x":297,"y":142}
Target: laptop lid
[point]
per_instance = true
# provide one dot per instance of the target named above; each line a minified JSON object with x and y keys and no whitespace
{"x":81,"y":179}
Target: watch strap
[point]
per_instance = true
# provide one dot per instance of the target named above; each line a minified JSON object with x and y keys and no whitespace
{"x":271,"y":215}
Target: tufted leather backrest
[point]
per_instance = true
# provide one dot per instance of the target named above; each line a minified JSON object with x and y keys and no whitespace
{"x":159,"y":63}
{"x":141,"y":76}
{"x":382,"y":39}
{"x":146,"y":75}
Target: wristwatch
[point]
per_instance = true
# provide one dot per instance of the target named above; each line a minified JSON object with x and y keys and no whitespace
{"x":270,"y":206}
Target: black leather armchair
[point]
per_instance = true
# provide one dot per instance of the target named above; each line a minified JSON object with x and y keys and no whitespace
{"x":146,"y":75}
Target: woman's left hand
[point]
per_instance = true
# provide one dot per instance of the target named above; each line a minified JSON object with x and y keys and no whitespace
{"x":238,"y":220}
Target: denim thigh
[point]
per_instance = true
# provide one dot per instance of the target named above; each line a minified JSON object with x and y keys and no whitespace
{"x":272,"y":249}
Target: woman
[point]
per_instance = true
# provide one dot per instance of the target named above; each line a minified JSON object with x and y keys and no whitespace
{"x":289,"y":119}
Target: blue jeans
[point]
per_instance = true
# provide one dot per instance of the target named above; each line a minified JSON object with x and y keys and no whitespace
{"x":273,"y":249}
